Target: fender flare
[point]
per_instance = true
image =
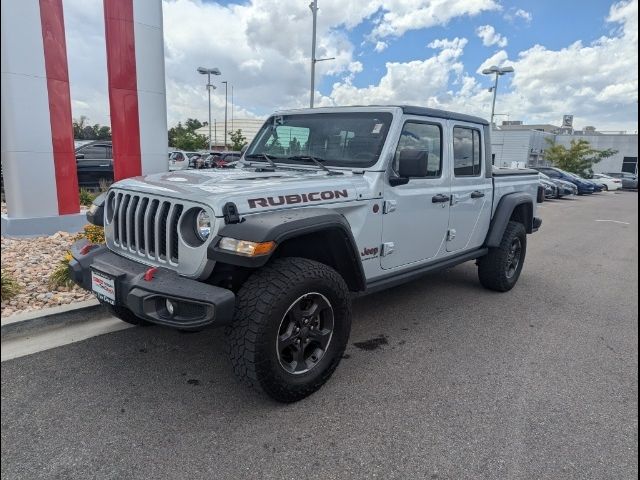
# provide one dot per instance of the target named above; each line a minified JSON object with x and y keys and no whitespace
{"x":283,"y":225}
{"x":507,"y":204}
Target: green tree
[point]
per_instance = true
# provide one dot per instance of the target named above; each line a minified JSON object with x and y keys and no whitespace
{"x":579,"y":158}
{"x":184,"y":136}
{"x":238,"y":140}
{"x":294,"y":146}
{"x":83,"y":131}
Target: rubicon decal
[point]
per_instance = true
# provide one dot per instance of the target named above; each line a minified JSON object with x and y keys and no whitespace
{"x":297,"y":198}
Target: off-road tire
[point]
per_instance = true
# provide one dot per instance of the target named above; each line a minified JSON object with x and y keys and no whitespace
{"x":125,"y":315}
{"x":261,"y":305}
{"x":493,"y":267}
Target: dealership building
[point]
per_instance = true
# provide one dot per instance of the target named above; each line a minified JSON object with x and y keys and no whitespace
{"x":519,"y":145}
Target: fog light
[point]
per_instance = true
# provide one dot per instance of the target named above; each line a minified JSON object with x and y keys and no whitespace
{"x":170,"y":306}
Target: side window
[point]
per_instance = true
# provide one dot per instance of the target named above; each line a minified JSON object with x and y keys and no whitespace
{"x":466,"y":152}
{"x":94,"y":152}
{"x":422,"y":136}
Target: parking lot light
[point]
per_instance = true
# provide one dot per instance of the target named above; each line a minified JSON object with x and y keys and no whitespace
{"x":497,"y":71}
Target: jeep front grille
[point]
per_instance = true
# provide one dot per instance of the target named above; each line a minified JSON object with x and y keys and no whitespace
{"x":145,"y":226}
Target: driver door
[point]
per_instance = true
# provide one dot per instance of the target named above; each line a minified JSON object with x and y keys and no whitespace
{"x":416,"y":215}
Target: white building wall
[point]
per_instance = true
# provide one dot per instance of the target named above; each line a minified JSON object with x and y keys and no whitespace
{"x":625,"y":144}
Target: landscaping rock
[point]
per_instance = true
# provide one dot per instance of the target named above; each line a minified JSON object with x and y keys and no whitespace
{"x":30,"y":261}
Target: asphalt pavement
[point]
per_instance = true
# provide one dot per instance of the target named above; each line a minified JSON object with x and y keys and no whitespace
{"x":441,"y":380}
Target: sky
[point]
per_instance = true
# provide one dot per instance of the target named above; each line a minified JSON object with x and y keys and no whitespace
{"x":570,"y":57}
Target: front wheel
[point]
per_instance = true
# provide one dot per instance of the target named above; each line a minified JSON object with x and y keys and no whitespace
{"x":500,"y":269}
{"x":290,"y":328}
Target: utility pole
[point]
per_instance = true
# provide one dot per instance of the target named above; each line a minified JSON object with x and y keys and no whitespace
{"x":314,"y":11}
{"x":226,"y":85}
{"x":208,"y":72}
{"x":498,"y":72}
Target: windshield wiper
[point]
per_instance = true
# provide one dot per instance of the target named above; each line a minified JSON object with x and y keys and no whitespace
{"x":266,"y":156}
{"x":317,"y":161}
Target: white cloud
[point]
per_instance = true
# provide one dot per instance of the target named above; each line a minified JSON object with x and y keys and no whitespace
{"x":401,"y":16}
{"x":421,"y":81}
{"x":498,"y":59}
{"x":523,"y":14}
{"x":490,"y":37}
{"x":380,"y":46}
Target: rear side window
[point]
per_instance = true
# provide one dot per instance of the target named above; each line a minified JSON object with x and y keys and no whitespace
{"x":426,"y":137}
{"x":94,"y":152}
{"x":466,"y":152}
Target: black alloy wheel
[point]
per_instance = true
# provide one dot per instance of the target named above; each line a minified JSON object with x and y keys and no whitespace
{"x":305,"y":333}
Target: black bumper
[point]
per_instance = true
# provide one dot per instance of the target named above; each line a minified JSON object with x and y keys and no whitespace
{"x":196,"y":304}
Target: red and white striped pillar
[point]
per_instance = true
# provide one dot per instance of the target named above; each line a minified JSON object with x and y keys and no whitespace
{"x":38,"y":159}
{"x":137,"y":98}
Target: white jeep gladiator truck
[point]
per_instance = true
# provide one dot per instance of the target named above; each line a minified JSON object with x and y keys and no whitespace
{"x":325,"y":203}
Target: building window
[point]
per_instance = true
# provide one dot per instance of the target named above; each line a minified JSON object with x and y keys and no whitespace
{"x":630,"y":165}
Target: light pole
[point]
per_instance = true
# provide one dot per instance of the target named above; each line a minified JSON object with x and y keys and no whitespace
{"x":498,"y":72}
{"x":226,"y":85}
{"x":208,"y":72}
{"x":314,"y":10}
{"x":232,"y":109}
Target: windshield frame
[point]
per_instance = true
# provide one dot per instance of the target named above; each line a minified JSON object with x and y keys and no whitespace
{"x":386,"y":115}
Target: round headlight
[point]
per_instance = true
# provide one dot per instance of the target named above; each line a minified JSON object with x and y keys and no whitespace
{"x":203,"y":225}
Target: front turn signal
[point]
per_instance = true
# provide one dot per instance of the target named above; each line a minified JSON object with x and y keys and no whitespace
{"x":246,"y":248}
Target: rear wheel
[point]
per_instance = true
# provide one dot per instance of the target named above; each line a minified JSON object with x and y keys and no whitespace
{"x":290,"y":329}
{"x":500,"y":269}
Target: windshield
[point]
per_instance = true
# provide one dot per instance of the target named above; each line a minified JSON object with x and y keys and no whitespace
{"x":336,"y":139}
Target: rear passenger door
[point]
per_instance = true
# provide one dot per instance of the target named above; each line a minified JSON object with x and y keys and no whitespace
{"x":471,"y":189}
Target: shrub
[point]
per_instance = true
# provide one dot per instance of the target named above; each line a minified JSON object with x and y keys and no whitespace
{"x":93,"y":233}
{"x":86,"y":197}
{"x":10,"y":287}
{"x":104,"y":185}
{"x":61,"y":275}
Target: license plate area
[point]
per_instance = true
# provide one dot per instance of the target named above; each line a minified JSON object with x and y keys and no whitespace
{"x":104,"y":287}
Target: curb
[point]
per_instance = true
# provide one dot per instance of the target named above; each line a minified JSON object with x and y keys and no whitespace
{"x":24,"y":324}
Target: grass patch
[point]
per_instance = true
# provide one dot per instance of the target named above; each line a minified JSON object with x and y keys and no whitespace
{"x":61,"y":275}
{"x":10,"y":287}
{"x":87,"y":197}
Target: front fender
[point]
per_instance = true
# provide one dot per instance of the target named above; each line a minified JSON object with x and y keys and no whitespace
{"x":284,"y":225}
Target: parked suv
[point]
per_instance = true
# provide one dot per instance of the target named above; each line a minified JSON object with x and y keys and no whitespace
{"x":325,"y":202}
{"x":94,"y":162}
{"x":584,"y":186}
{"x":629,"y":180}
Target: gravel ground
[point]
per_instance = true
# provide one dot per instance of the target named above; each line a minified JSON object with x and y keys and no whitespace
{"x":30,"y":261}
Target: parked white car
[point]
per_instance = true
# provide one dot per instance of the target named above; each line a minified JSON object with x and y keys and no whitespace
{"x":609,"y":183}
{"x":179,"y":160}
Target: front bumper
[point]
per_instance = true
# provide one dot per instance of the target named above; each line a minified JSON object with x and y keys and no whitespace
{"x":196,"y":304}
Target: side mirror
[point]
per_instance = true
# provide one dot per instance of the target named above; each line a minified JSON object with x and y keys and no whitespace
{"x":95,"y":214}
{"x":79,"y":156}
{"x":412,"y":163}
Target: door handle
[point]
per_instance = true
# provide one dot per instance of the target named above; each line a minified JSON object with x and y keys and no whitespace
{"x":440,"y":198}
{"x":477,"y":194}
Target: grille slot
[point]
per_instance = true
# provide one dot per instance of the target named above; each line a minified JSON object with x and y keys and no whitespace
{"x":147,"y":227}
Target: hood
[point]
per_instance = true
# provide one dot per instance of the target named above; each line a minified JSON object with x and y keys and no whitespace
{"x":253,"y":190}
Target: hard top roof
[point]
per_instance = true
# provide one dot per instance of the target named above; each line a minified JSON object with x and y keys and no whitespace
{"x":407,"y":109}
